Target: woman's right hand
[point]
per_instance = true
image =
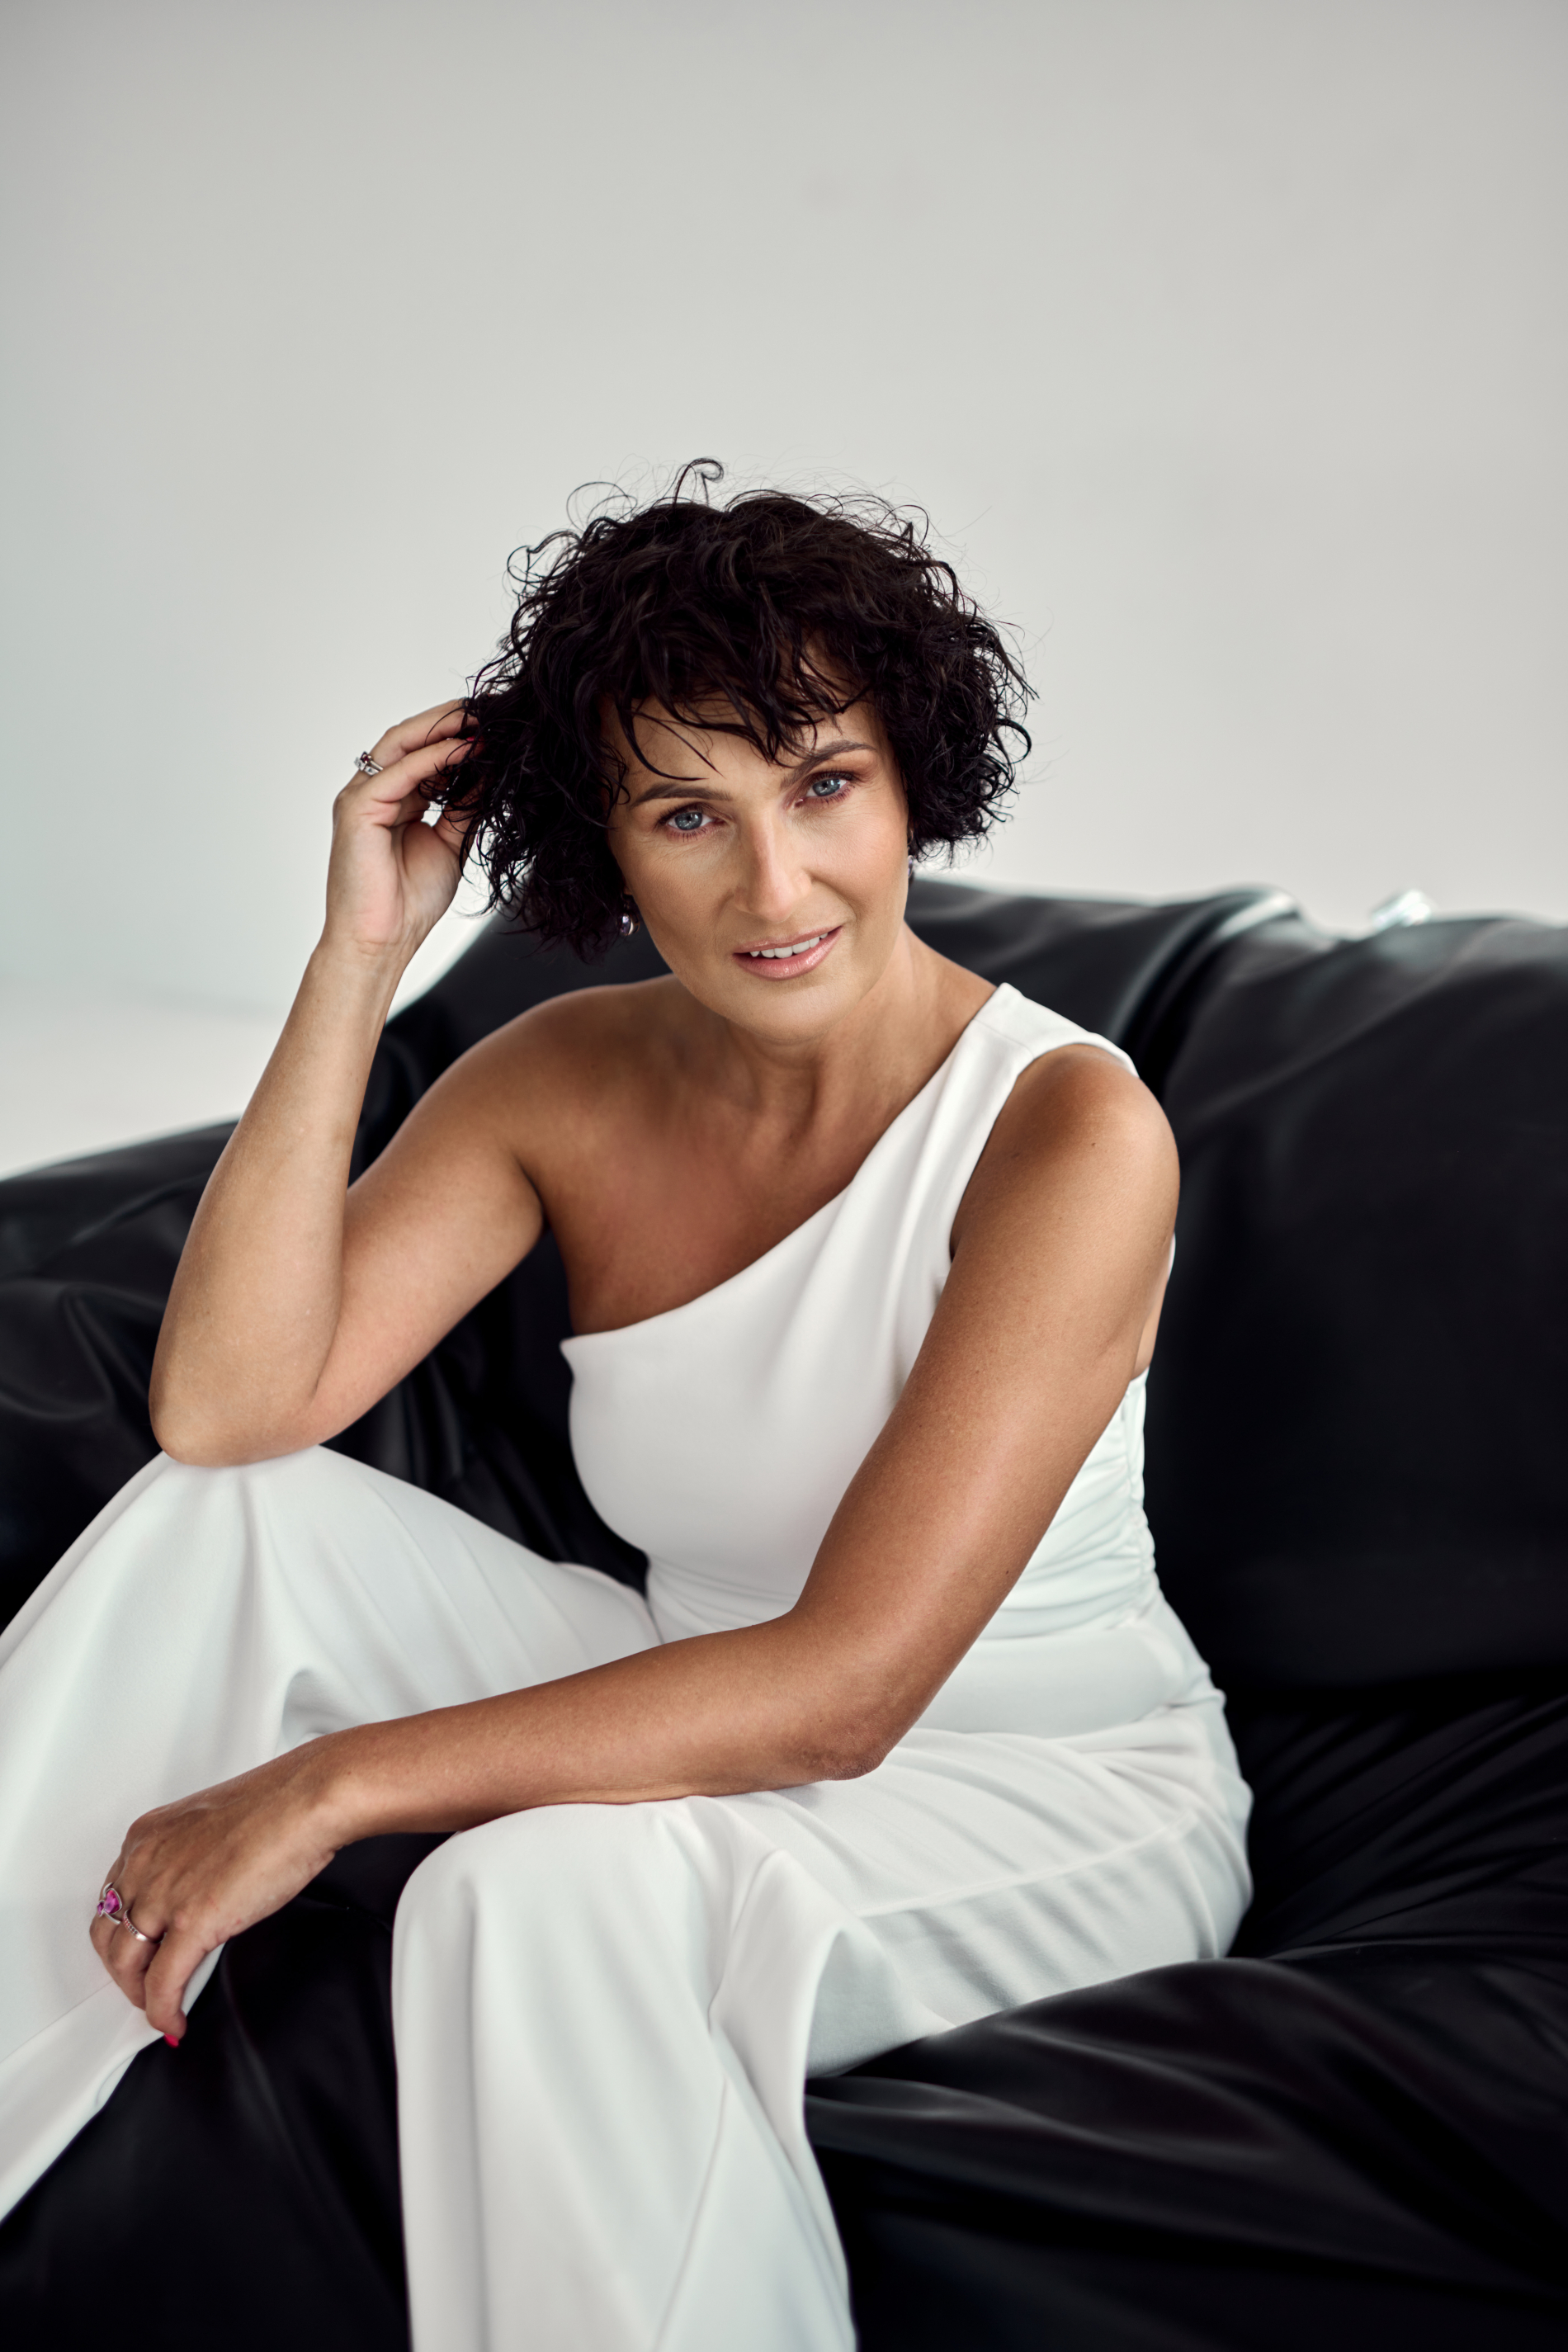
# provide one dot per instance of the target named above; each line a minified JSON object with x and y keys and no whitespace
{"x":392,"y":876}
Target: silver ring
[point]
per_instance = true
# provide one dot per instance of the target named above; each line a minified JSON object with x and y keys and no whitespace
{"x":367,"y":766}
{"x":111,"y":1905}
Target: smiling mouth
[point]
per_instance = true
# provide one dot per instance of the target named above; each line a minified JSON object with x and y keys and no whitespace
{"x":794,"y":947}
{"x":783,"y":959}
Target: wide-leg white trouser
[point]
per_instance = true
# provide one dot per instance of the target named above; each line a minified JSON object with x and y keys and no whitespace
{"x":604,"y":2014}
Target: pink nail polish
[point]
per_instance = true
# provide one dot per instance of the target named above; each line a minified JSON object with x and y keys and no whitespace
{"x":171,"y":2041}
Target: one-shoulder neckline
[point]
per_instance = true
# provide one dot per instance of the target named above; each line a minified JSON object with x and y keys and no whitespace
{"x":786,"y":1240}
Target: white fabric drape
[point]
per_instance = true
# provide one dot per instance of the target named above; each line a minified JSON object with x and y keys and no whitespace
{"x":604,"y":2014}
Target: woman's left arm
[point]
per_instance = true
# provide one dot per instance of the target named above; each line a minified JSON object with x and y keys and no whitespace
{"x":1060,"y":1256}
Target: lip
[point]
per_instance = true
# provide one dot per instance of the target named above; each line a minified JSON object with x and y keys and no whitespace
{"x":786,"y":967}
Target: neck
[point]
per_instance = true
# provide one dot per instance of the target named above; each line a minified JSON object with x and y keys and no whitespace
{"x":867,"y":1063}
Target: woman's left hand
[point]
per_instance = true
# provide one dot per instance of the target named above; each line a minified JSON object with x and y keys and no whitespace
{"x":194,"y":1874}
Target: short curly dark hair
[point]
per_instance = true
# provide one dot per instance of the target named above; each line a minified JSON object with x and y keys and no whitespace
{"x":785,"y":609}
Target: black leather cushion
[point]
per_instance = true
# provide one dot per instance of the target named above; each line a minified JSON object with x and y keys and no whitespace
{"x":1358,"y":1452}
{"x":1239,"y":2155}
{"x":87,"y":1251}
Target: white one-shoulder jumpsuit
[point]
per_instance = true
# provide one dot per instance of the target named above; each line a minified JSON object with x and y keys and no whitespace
{"x":604,"y":2014}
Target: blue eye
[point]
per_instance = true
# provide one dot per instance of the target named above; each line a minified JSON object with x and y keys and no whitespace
{"x":687,"y":819}
{"x":828,"y":788}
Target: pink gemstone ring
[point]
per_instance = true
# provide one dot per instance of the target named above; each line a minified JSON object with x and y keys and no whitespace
{"x":112,"y":1906}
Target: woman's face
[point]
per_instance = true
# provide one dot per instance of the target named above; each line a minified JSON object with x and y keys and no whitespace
{"x":773,"y":889}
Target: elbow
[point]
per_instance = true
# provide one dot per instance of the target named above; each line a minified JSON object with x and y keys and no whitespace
{"x":204,"y":1440}
{"x":827,"y":1752}
{"x":855,"y":1759}
{"x":183,"y":1430}
{"x":849,"y":1711}
{"x":185,"y":1438}
{"x":197,"y":1454}
{"x":210,"y":1421}
{"x":176,"y":1429}
{"x":858,"y":1745}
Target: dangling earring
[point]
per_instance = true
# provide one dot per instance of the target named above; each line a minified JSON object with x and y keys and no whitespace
{"x":630,"y":919}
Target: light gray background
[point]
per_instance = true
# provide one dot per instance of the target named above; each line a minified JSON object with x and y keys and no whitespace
{"x":1223,"y":339}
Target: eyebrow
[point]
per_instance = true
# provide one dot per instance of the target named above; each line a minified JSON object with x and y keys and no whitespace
{"x":671,"y":788}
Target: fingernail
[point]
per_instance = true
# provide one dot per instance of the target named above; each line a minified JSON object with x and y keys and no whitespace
{"x":172,"y":2043}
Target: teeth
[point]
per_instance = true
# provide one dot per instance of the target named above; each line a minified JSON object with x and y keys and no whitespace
{"x":798,"y":947}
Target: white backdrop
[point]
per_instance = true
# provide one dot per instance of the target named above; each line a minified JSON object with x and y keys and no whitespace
{"x":1224,"y":340}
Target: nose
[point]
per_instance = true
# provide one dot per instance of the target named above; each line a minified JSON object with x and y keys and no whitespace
{"x":771,"y":882}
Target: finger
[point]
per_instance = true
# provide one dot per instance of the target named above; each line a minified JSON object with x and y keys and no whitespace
{"x":131,"y":1957}
{"x":454,"y":834}
{"x":433,"y":784}
{"x":446,"y":816}
{"x":418,"y":759}
{"x":444,"y":778}
{"x":407,"y":778}
{"x":99,"y":1929}
{"x":179,"y":1956}
{"x":126,"y":1959}
{"x":442,"y":719}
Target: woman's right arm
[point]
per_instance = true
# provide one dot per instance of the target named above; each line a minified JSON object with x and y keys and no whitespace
{"x":297,"y":1303}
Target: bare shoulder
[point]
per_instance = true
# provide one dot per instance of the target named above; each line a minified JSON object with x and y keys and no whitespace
{"x":1080,"y":1136}
{"x":570,"y":1049}
{"x":528,"y":1103}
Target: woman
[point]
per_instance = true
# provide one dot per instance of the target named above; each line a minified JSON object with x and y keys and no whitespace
{"x":866,"y":1262}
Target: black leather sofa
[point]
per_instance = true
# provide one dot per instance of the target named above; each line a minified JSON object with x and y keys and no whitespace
{"x":1353,"y":2132}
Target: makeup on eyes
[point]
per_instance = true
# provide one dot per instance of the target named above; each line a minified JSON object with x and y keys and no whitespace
{"x":841,"y":777}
